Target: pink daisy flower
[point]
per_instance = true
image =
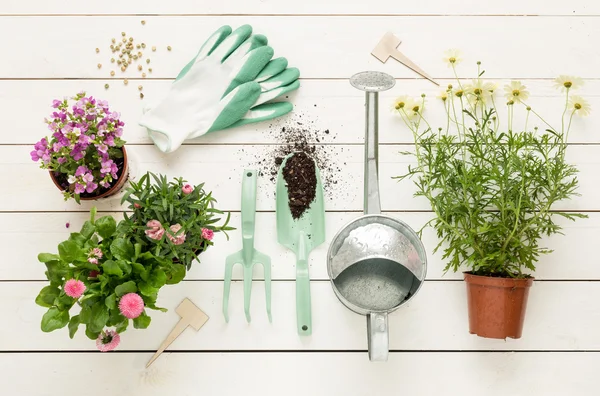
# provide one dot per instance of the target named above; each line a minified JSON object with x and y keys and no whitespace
{"x":131,"y":305}
{"x":208,"y":234}
{"x":177,"y":239}
{"x":74,"y":288}
{"x":108,"y":340}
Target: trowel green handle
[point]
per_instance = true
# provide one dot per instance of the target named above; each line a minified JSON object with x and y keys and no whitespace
{"x":248,"y":212}
{"x":303,"y":303}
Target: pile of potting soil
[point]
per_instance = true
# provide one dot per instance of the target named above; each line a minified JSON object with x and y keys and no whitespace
{"x":300,"y":177}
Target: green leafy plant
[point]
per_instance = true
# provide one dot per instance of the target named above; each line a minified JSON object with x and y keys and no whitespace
{"x":492,"y":188}
{"x":174,"y":220}
{"x":94,"y":270}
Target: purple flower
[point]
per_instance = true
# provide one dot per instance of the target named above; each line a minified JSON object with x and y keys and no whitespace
{"x":91,"y":187}
{"x":79,"y":188}
{"x":56,"y":147}
{"x":102,"y":148}
{"x":61,"y":160}
{"x":81,"y":171}
{"x":110,"y":141}
{"x":84,"y":140}
{"x":88,"y":178}
{"x":119,"y":132}
{"x":56,"y":103}
{"x":106,"y":166}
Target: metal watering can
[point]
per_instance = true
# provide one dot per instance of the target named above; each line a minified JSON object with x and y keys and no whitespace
{"x":376,"y":263}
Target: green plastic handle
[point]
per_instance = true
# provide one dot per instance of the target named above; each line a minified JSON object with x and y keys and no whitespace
{"x":303,"y":303}
{"x":248,"y":213}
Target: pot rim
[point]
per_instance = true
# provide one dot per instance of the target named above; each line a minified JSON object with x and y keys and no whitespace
{"x":116,"y":187}
{"x":497,"y":281}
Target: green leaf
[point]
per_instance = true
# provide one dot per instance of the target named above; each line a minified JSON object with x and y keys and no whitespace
{"x":73,"y":326}
{"x":122,"y":326}
{"x":69,"y":251}
{"x":158,"y":278}
{"x":48,"y":257}
{"x":146,"y":289}
{"x":79,"y":239}
{"x":142,"y":321}
{"x":85,"y":316}
{"x":112,"y":268}
{"x":87,"y":230}
{"x":99,"y":317}
{"x":47,"y":296}
{"x":106,"y":226}
{"x":111,"y":301}
{"x":127,"y":287}
{"x":54,"y":319}
{"x":122,"y":249}
{"x":125,"y":266}
{"x":176,"y":274}
{"x":92,"y":335}
{"x":55,"y":272}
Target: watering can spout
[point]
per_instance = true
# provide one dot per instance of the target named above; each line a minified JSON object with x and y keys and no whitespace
{"x":372,"y":83}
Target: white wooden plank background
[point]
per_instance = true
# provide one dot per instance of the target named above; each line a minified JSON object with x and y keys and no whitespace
{"x":48,"y":52}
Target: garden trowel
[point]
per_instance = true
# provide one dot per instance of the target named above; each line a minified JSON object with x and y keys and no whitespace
{"x":301,"y":236}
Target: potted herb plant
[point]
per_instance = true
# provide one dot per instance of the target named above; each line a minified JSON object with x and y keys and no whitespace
{"x":85,"y":154}
{"x":493,"y":188}
{"x":174,"y":219}
{"x":109,"y":276}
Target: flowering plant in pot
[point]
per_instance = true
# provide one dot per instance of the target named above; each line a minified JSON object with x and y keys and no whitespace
{"x":173,"y":219}
{"x":109,"y":277}
{"x":493,"y":190}
{"x":85,"y":154}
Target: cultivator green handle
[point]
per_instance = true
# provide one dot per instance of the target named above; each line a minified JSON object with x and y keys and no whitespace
{"x":303,"y":301}
{"x":248,"y":212}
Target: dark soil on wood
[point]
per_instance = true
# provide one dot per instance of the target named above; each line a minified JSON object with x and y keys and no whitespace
{"x":300,"y":176}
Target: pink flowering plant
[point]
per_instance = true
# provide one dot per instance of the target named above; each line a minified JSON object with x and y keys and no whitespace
{"x":103,"y":279}
{"x":174,"y":220}
{"x":84,"y":151}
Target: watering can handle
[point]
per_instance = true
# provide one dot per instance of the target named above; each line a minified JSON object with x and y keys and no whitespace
{"x":248,"y":209}
{"x":377,"y":329}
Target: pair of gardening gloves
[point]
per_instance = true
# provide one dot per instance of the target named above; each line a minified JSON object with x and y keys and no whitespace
{"x":228,"y":84}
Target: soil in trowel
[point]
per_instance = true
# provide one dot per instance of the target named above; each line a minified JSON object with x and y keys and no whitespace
{"x":299,"y":174}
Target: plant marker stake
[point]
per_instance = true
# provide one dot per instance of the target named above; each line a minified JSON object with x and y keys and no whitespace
{"x":388,"y":47}
{"x":190,"y":315}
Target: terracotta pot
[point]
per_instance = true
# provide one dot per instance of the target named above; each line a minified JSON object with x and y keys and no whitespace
{"x":496,"y":305}
{"x":115,"y":188}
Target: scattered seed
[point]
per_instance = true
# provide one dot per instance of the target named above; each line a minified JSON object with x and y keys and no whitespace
{"x":147,"y":60}
{"x":130,"y":39}
{"x":112,"y":73}
{"x":140,"y":67}
{"x":169,"y":48}
{"x":139,"y":54}
{"x":143,"y":22}
{"x":99,"y":65}
{"x":106,"y":86}
{"x":138,"y":46}
{"x":123,"y":68}
{"x":97,"y":50}
{"x":119,"y":62}
{"x":113,"y":40}
{"x":140,"y":87}
{"x":150,"y":70}
{"x":123,"y":34}
{"x":143,"y":75}
{"x":143,"y":45}
{"x":124,"y":40}
{"x":153,"y":49}
{"x":112,"y":60}
{"x":126,"y":81}
{"x":141,"y":95}
{"x":134,"y":57}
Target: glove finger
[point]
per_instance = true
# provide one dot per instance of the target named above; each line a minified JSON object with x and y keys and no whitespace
{"x":264,"y":112}
{"x":286,"y":77}
{"x":255,"y":41}
{"x":250,"y":66}
{"x":207,"y":48}
{"x":277,"y":92}
{"x":274,"y":67}
{"x":232,"y":42}
{"x":235,"y":105}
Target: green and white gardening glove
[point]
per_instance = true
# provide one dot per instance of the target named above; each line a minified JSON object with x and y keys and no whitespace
{"x":226,"y":85}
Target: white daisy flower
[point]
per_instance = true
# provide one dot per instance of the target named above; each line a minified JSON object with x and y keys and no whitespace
{"x":579,"y":105}
{"x":400,"y":102}
{"x":443,"y":96}
{"x":478,"y":91}
{"x":571,"y":82}
{"x":452,"y":57}
{"x":516,"y":92}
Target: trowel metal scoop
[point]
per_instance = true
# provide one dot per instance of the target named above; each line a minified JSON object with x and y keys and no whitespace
{"x":376,"y":263}
{"x":301,"y":236}
{"x":248,"y":256}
